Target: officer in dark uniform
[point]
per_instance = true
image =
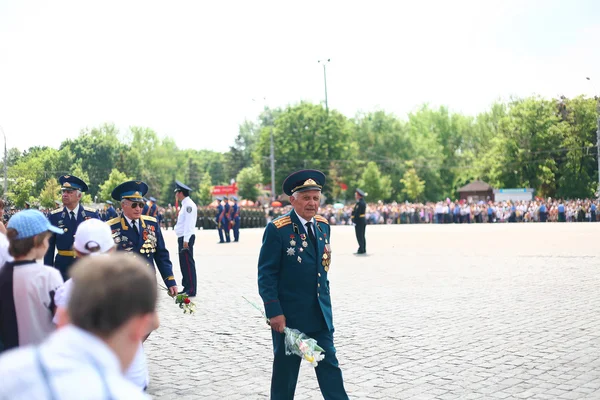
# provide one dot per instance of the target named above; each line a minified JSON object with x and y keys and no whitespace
{"x":218,"y":219}
{"x":225,"y":219}
{"x":292,"y":280}
{"x":150,"y":208}
{"x":68,"y":219}
{"x":141,"y":234}
{"x":235,"y":219}
{"x":110,"y":211}
{"x":360,"y":221}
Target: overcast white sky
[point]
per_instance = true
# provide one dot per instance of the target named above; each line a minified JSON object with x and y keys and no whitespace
{"x":189,"y":69}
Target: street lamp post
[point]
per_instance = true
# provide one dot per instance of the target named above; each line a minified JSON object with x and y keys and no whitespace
{"x":5,"y":167}
{"x":325,"y":62}
{"x":272,"y":156}
{"x":597,"y":131}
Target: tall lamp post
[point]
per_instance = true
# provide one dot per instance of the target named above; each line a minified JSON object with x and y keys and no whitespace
{"x":5,"y":167}
{"x":597,"y":130}
{"x":272,"y":156}
{"x":325,"y":62}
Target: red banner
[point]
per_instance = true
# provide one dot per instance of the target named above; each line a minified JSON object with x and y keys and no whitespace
{"x":224,"y":189}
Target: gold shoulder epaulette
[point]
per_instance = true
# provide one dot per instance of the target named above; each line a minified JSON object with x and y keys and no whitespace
{"x":113,"y":221}
{"x":283,"y":221}
{"x":148,"y":218}
{"x":320,"y":218}
{"x":90,"y":209}
{"x":56,"y":211}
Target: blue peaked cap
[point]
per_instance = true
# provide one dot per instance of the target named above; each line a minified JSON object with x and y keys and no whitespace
{"x":131,"y":190}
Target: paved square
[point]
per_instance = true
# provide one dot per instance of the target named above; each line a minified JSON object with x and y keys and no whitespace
{"x":435,"y":312}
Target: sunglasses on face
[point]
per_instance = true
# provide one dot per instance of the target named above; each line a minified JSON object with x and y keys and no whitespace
{"x":136,"y":205}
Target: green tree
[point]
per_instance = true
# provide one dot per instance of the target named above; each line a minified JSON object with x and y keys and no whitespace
{"x":20,"y":191}
{"x":115,"y":178}
{"x":205,"y":190}
{"x":247,"y":181}
{"x":50,"y":193}
{"x":414,"y":187}
{"x":304,"y":136}
{"x":378,"y":186}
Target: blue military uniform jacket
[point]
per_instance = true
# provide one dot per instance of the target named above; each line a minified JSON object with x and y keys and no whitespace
{"x":219,"y":212}
{"x":292,"y":277}
{"x":149,"y":244}
{"x":111,"y":213}
{"x":64,"y":243}
{"x":151,"y":211}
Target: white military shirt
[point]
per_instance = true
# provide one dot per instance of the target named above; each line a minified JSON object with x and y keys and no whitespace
{"x":186,"y":219}
{"x":71,"y":365}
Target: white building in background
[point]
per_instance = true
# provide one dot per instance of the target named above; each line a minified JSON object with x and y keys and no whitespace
{"x":523,"y":194}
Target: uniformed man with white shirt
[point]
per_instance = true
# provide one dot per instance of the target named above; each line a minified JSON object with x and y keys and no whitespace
{"x":185,"y":230}
{"x":86,"y":360}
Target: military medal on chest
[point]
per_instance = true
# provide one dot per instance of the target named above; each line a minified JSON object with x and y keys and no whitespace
{"x":292,"y":240}
{"x":303,"y":238}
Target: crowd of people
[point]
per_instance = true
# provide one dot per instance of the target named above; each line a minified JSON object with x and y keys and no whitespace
{"x":445,"y":212}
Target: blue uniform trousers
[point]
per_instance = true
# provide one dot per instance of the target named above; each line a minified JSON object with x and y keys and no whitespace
{"x":63,"y":265}
{"x":225,"y":225}
{"x":187,"y":265}
{"x":236,"y":229}
{"x":286,"y":369}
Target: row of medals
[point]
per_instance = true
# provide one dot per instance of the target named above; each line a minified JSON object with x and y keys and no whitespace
{"x":148,"y":247}
{"x":326,"y":259}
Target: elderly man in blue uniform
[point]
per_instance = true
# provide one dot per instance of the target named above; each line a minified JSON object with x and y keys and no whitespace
{"x":235,"y":219}
{"x":68,"y":217}
{"x":141,"y":234}
{"x":294,"y":260}
{"x":185,"y":229}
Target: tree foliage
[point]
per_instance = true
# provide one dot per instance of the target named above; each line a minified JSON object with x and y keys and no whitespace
{"x":247,"y":181}
{"x":545,"y":144}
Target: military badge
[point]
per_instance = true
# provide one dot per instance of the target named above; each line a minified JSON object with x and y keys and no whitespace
{"x":188,"y":209}
{"x":326,"y":269}
{"x":292,"y":243}
{"x":299,"y":259}
{"x":291,"y":251}
{"x":304,"y":244}
{"x":300,"y":249}
{"x":303,"y":236}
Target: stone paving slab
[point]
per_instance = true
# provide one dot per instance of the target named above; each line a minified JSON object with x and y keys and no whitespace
{"x":498,"y":311}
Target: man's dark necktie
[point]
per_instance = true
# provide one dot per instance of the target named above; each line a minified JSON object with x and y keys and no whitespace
{"x":311,"y":236}
{"x":73,"y":216}
{"x":135,"y":228}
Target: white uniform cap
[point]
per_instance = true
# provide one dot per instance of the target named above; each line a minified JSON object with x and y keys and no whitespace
{"x":93,"y":236}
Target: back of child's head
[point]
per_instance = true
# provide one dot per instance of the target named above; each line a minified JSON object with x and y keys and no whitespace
{"x":27,"y":230}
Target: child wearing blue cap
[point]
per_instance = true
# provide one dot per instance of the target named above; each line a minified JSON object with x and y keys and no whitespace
{"x":27,"y":287}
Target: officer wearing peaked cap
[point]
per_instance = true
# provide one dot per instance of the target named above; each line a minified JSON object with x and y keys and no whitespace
{"x":218,"y":218}
{"x":360,"y":221}
{"x":150,"y":208}
{"x":294,"y":260}
{"x":141,"y":234}
{"x":110,"y":211}
{"x":67,"y":218}
{"x":185,"y":229}
{"x":224,"y":219}
{"x":234,"y":220}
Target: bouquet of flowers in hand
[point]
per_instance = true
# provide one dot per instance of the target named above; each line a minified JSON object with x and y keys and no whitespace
{"x":185,"y":303}
{"x":183,"y":300}
{"x":307,"y":348}
{"x":298,"y":343}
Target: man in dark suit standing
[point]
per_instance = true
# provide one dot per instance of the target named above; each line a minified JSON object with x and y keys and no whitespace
{"x":360,"y":222}
{"x":294,"y":260}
